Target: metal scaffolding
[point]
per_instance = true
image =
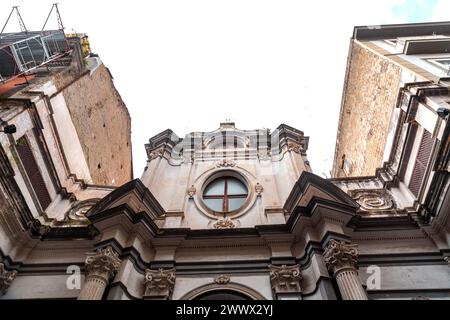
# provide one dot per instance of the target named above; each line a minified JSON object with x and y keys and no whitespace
{"x":24,"y":51}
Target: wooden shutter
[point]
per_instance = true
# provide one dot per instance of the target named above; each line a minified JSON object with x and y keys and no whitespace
{"x":421,"y":162}
{"x":33,"y":173}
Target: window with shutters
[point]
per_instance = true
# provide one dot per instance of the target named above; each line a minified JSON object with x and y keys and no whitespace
{"x":421,"y":162}
{"x":32,"y":170}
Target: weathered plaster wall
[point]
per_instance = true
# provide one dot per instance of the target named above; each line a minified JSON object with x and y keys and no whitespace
{"x":368,"y":100}
{"x":102,"y":122}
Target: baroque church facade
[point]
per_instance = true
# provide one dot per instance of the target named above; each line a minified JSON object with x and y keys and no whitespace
{"x":229,"y":214}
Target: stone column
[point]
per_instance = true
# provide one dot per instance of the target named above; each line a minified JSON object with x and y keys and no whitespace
{"x":341,"y":259}
{"x":101,"y":267}
{"x":159,"y":283}
{"x":286,"y":280}
{"x":6,"y":278}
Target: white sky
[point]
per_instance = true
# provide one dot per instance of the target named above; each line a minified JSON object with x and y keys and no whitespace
{"x":188,"y":65}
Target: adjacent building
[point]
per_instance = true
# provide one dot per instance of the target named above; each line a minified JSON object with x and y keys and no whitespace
{"x":381,"y":61}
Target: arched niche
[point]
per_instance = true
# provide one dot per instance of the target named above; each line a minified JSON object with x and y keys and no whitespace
{"x":230,"y":291}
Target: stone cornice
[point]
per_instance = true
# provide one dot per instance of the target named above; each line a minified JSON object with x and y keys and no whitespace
{"x":258,"y":144}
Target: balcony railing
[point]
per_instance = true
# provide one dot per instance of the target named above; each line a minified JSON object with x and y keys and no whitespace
{"x":24,"y":51}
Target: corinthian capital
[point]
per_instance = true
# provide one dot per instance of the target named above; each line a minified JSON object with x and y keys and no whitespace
{"x":104,"y":263}
{"x":6,"y":278}
{"x":285,"y":279}
{"x":159,"y":283}
{"x":339,"y":255}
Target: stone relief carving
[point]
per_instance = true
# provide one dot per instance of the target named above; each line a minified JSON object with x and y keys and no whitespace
{"x":259,"y":189}
{"x":222,"y":279}
{"x":159,"y":283}
{"x":6,"y":278}
{"x":159,"y":152}
{"x":225,"y":163}
{"x":103,"y":262}
{"x":294,"y":147}
{"x":77,"y":212}
{"x":285,"y":279}
{"x":373,"y":199}
{"x":225,"y":223}
{"x":191,"y":191}
{"x":339,"y":255}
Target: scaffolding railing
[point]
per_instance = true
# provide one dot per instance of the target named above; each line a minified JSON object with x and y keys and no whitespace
{"x":24,"y":51}
{"x":26,"y":54}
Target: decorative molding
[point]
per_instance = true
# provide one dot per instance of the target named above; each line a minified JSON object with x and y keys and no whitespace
{"x":259,"y":189}
{"x":383,"y":236}
{"x":191,"y":191}
{"x":339,"y":255}
{"x":285,"y":279}
{"x":225,"y":163}
{"x":373,"y":199}
{"x":222,"y":279}
{"x":420,"y":298}
{"x":159,"y":283}
{"x":225,"y":223}
{"x":104,"y":263}
{"x":6,"y":278}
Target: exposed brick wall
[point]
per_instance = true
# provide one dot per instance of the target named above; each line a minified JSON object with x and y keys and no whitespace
{"x":102,"y":122}
{"x":368,"y":100}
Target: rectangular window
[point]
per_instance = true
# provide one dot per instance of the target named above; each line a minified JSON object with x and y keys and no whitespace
{"x":32,"y":170}
{"x":443,"y":63}
{"x":421,"y":162}
{"x":408,"y":150}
